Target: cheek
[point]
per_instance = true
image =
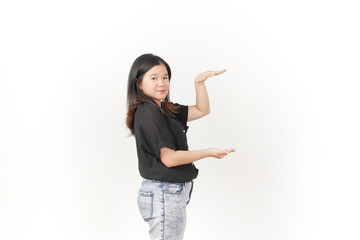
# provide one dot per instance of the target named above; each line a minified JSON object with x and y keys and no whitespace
{"x":148,"y":86}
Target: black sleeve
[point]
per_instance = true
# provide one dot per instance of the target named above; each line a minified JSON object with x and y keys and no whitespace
{"x":182,"y":115}
{"x":153,"y":130}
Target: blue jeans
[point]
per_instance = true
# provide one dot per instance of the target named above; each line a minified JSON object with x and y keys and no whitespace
{"x":163,"y":206}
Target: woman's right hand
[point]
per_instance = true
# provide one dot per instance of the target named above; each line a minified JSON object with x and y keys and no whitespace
{"x":214,"y":152}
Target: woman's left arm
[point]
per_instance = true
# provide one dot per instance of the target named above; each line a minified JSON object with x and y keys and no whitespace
{"x":202,"y":106}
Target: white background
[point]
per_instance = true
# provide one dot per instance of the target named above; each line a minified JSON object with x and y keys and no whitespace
{"x":288,"y":103}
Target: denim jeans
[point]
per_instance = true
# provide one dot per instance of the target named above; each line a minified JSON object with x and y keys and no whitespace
{"x":163,"y":206}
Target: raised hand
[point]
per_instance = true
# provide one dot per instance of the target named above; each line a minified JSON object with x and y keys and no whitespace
{"x":201,"y":77}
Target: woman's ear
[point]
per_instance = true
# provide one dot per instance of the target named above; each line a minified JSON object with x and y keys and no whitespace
{"x":139,"y":85}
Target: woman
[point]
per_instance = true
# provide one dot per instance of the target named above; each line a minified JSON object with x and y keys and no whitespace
{"x":164,"y":160}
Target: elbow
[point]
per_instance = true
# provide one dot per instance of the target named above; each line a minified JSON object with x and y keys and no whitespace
{"x":168,"y":165}
{"x":166,"y":157}
{"x":167,"y":162}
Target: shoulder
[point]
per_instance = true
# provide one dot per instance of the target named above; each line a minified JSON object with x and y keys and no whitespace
{"x":146,"y":112}
{"x":179,"y":106}
{"x":146,"y":108}
{"x":175,"y":104}
{"x":181,"y":112}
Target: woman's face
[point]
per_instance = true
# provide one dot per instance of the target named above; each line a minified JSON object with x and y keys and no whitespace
{"x":155,"y":83}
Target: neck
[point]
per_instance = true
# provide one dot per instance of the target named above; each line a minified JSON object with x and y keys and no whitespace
{"x":158,"y":102}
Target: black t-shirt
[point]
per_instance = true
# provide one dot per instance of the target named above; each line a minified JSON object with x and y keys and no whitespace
{"x":155,"y":130}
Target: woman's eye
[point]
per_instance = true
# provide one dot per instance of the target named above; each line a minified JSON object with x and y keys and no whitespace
{"x":154,"y":78}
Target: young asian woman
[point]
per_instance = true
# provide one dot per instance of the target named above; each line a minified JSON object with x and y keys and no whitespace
{"x":165,"y":162}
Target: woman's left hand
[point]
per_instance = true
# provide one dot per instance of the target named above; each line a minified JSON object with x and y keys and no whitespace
{"x":201,"y":77}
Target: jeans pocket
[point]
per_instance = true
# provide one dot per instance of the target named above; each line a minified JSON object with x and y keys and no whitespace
{"x":145,"y":204}
{"x":174,"y":188}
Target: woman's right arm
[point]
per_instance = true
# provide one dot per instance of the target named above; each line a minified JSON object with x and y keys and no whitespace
{"x":172,"y":158}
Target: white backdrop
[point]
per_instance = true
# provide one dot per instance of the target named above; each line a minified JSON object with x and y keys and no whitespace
{"x":288,"y":103}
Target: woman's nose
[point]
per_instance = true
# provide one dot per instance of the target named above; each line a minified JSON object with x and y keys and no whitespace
{"x":161,"y":82}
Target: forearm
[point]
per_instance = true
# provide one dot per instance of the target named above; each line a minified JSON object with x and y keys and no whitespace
{"x":172,"y":158}
{"x":202,"y":98}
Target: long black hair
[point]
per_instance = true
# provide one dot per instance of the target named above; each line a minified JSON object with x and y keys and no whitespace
{"x":135,"y":96}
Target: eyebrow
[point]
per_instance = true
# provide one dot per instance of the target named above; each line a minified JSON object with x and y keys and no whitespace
{"x":157,"y":74}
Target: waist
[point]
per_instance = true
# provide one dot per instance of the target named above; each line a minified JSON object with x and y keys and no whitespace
{"x":159,"y":181}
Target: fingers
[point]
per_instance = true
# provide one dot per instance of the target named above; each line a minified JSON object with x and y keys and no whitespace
{"x":230,"y":150}
{"x":225,"y":152}
{"x":201,"y":77}
{"x":213,"y":73}
{"x":218,"y":72}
